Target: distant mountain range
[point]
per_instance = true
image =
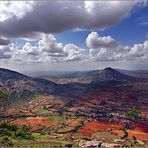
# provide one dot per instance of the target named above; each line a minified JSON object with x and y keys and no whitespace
{"x":135,"y":73}
{"x":108,"y":74}
{"x":22,"y":86}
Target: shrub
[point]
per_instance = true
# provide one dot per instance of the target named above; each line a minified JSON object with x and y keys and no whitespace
{"x":13,"y":131}
{"x":68,"y":145}
{"x":8,"y":126}
{"x":99,"y":144}
{"x":23,"y":134}
{"x":5,"y":132}
{"x":7,"y":142}
{"x":134,"y":114}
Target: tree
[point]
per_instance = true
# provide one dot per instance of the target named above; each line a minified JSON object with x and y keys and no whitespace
{"x":134,"y":114}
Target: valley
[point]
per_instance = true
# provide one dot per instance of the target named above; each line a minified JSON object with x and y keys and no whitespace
{"x":74,"y":74}
{"x":109,"y":110}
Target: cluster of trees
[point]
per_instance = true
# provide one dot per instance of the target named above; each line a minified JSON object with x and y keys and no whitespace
{"x":4,"y":93}
{"x":134,"y":114}
{"x":8,"y":132}
{"x":4,"y":98}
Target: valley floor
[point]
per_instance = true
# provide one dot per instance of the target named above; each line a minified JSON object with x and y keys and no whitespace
{"x":52,"y":123}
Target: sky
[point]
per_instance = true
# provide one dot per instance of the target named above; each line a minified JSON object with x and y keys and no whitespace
{"x":73,"y":35}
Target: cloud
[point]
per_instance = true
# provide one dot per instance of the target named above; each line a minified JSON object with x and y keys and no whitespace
{"x":139,"y":51}
{"x":5,"y":52}
{"x":74,"y":53}
{"x":9,"y":9}
{"x":21,"y":19}
{"x":47,"y":50}
{"x":49,"y":44}
{"x":4,"y":41}
{"x":108,"y":49}
{"x":102,"y":48}
{"x":27,"y":53}
{"x":144,"y":23}
{"x":95,"y":41}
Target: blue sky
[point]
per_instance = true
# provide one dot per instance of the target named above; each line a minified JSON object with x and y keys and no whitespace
{"x":128,"y":32}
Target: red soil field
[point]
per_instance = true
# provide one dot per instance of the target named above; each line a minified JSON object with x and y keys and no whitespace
{"x":140,"y":132}
{"x":33,"y":122}
{"x":103,"y":125}
{"x":142,"y":126}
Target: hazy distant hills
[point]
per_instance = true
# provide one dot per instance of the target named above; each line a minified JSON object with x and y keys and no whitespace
{"x":108,"y":74}
{"x":135,"y":73}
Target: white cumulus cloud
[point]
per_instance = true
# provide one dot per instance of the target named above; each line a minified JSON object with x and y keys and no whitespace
{"x":47,"y":50}
{"x":108,"y":49}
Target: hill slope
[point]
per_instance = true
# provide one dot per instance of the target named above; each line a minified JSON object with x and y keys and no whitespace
{"x":24,"y":86}
{"x":109,"y":74}
{"x":21,"y":85}
{"x":18,"y":87}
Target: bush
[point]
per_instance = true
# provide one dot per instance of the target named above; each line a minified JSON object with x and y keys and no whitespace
{"x":13,"y":131}
{"x":99,"y":144}
{"x":7,"y":142}
{"x":23,"y":135}
{"x":5,"y":132}
{"x":68,"y":145}
{"x":8,"y":126}
{"x":134,"y":114}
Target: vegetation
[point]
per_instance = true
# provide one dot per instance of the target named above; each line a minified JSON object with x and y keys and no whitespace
{"x":6,"y":142}
{"x":10,"y":132}
{"x":4,"y":93}
{"x":82,"y":118}
{"x":134,"y":114}
{"x":43,"y":111}
{"x":55,"y":118}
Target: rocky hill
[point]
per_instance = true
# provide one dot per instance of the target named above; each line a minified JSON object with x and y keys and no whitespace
{"x":109,"y":74}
